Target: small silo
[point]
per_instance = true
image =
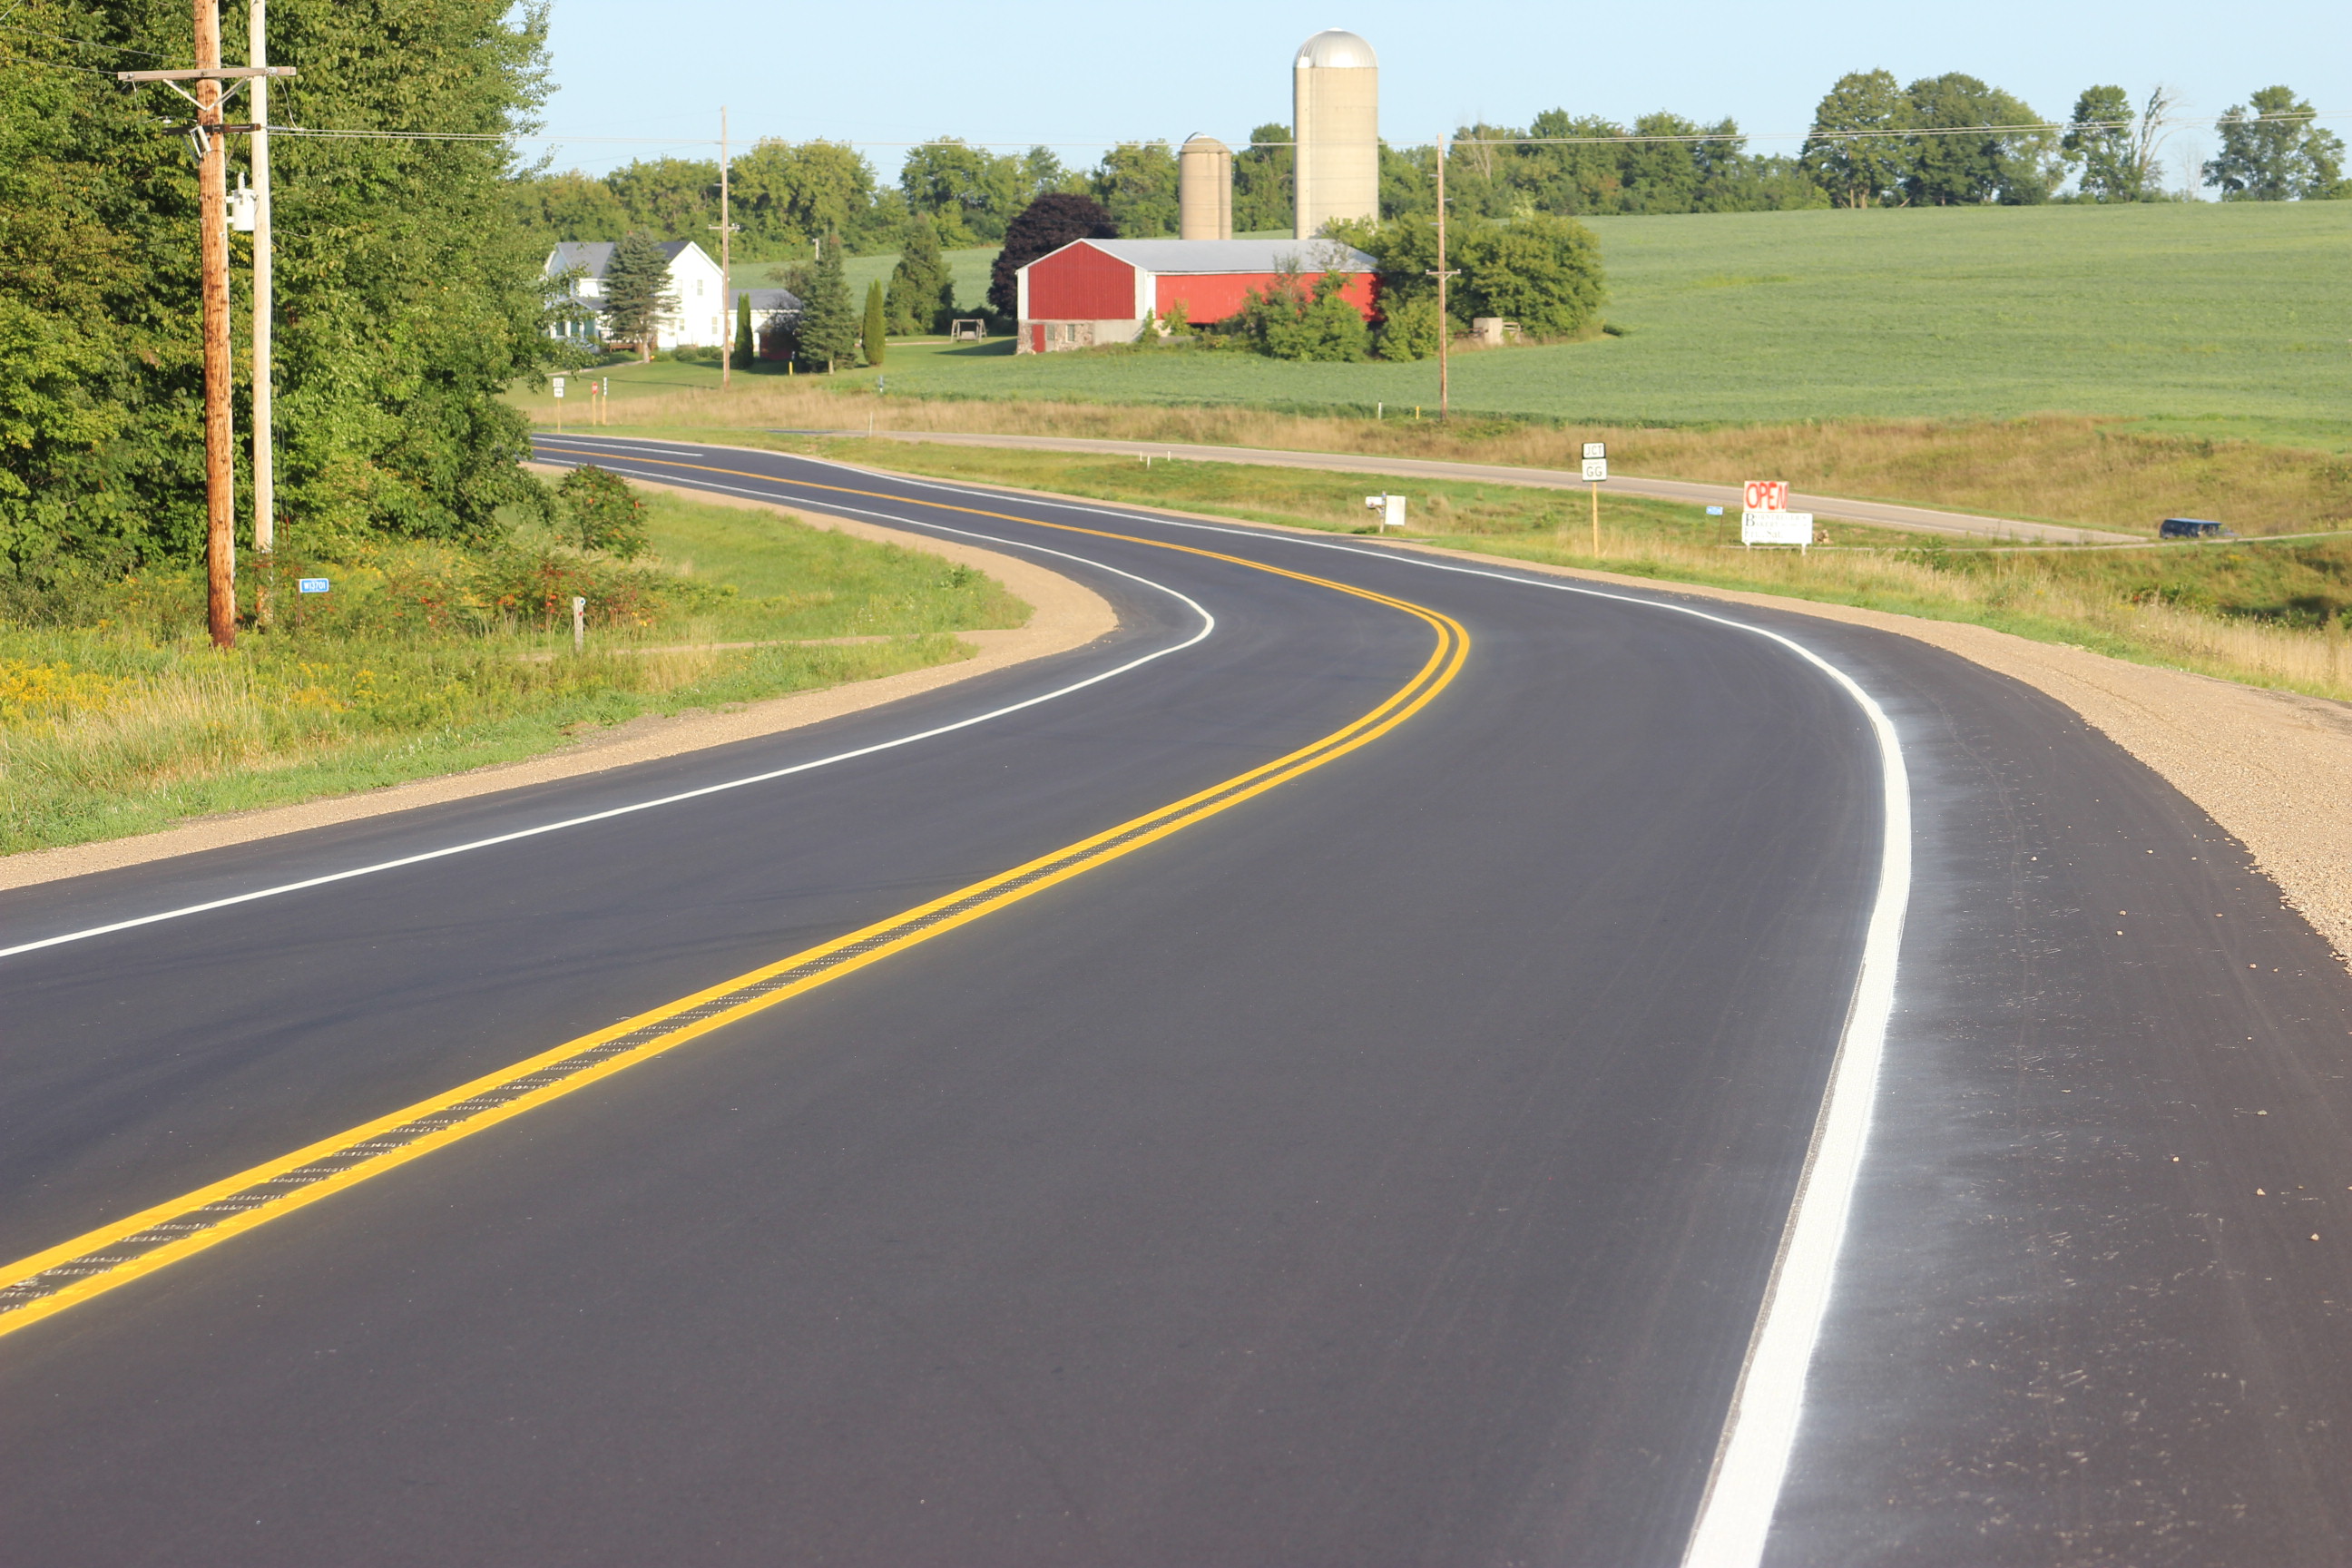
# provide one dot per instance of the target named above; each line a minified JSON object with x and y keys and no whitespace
{"x":1335,"y":117}
{"x":1205,"y":190}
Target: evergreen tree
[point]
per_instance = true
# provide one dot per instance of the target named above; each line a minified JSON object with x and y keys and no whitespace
{"x":875,"y":335}
{"x":921,"y":290}
{"x":744,"y":349}
{"x":637,"y":294}
{"x":828,"y":325}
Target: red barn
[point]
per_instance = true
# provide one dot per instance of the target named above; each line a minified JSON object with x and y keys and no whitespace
{"x":1100,"y":290}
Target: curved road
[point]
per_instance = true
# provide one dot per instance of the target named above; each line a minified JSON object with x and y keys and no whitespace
{"x":1331,"y":1090}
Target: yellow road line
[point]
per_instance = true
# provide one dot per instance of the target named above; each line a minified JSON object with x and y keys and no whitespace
{"x":91,"y":1264}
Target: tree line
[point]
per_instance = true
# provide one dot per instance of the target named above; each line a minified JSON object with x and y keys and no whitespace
{"x":1940,"y":140}
{"x":1952,"y":139}
{"x":406,"y":303}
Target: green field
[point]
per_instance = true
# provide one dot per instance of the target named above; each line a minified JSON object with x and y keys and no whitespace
{"x":2222,"y":320}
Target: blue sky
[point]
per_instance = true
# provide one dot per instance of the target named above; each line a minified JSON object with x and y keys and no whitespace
{"x":1085,"y":75}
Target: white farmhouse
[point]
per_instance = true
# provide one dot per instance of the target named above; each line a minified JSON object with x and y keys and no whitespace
{"x":700,"y":320}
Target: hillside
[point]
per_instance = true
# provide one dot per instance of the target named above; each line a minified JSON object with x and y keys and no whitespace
{"x":2209,"y":319}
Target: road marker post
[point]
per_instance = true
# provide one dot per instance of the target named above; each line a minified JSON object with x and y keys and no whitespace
{"x":1596,"y":470}
{"x":579,"y":624}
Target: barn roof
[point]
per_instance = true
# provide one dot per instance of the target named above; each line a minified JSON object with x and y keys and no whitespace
{"x":1180,"y":256}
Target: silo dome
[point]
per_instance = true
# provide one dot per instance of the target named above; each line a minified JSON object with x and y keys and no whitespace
{"x":1336,"y":47}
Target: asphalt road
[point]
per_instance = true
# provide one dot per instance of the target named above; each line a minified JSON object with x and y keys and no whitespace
{"x":1388,"y":1168}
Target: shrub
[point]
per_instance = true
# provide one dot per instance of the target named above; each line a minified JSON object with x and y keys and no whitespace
{"x":1291,"y":319}
{"x":601,"y":512}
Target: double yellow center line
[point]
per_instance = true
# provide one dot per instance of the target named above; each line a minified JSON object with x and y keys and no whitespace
{"x":73,"y":1271}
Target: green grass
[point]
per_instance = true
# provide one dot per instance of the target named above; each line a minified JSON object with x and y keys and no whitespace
{"x":117,"y":718}
{"x":2276,"y":614}
{"x":2229,"y":320}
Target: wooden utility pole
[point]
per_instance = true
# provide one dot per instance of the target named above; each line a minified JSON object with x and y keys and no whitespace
{"x":1444,"y":322}
{"x":265,"y":467}
{"x":211,"y":79}
{"x":212,"y":223}
{"x":726,"y":265}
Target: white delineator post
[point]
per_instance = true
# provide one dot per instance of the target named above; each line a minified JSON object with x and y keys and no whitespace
{"x":579,"y":624}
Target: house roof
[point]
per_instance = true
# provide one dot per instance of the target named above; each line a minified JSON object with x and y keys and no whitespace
{"x":1180,"y":256}
{"x":592,"y":256}
{"x":775,"y":300}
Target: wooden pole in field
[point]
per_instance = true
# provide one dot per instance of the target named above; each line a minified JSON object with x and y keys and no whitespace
{"x":1445,"y":331}
{"x":212,"y":222}
{"x":726,"y":265}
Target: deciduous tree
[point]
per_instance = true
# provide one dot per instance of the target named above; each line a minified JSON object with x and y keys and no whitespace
{"x":973,"y":194}
{"x":1974,"y":144}
{"x":1136,"y":183}
{"x":1853,"y":149}
{"x":2276,"y":152}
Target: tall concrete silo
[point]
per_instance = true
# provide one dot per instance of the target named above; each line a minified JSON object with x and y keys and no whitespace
{"x":1335,"y":118}
{"x":1205,"y":190}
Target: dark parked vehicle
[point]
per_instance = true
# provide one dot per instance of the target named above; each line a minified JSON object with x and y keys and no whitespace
{"x":2193,"y":528}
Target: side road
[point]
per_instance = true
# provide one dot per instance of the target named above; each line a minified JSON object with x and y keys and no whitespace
{"x":1879,"y":514}
{"x":1064,"y":614}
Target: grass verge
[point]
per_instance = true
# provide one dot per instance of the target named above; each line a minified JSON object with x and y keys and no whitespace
{"x":115,"y":716}
{"x":2269,"y":614}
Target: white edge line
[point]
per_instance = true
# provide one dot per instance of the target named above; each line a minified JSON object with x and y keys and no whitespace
{"x":1208,"y":625}
{"x":1743,"y":1490}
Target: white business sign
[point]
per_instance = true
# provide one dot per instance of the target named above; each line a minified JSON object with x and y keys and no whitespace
{"x":1764,"y":495}
{"x":1595,"y":469}
{"x":1775,"y":527}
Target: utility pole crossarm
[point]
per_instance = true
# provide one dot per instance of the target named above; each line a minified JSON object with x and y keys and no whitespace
{"x":205,"y":73}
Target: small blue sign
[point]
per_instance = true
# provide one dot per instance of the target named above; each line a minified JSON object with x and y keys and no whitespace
{"x":313,"y":585}
{"x":1714,"y":512}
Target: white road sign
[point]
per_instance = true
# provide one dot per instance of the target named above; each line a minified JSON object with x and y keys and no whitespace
{"x":1596,"y":449}
{"x":1596,"y":470}
{"x":558,"y":386}
{"x":1761,"y":526}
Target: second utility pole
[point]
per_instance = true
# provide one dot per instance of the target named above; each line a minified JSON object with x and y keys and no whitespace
{"x":265,"y":467}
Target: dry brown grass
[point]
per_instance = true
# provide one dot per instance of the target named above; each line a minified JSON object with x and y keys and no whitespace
{"x":2051,"y":468}
{"x":2315,"y":661}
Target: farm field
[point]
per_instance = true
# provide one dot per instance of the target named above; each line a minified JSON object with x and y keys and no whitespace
{"x":2217,"y":320}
